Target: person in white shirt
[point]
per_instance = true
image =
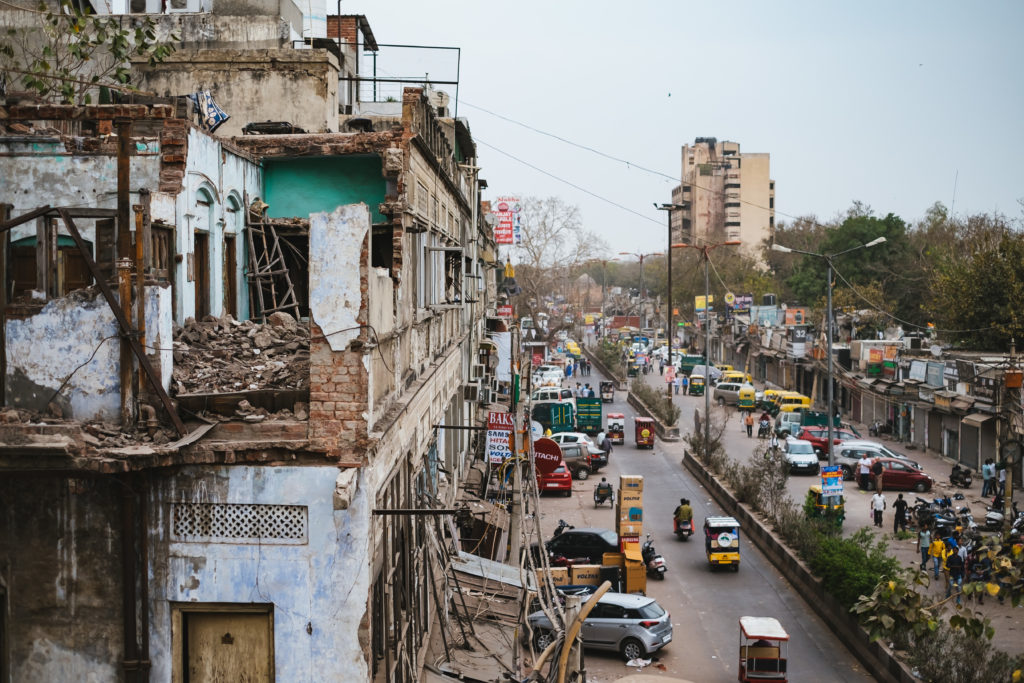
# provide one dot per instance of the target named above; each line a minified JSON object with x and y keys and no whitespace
{"x":877,"y":506}
{"x":864,"y":470}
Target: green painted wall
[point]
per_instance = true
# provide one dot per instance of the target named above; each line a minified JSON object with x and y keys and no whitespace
{"x":301,"y":186}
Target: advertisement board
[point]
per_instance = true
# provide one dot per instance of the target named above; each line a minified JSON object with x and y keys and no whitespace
{"x":507,"y":228}
{"x":831,"y":480}
{"x":499,"y":433}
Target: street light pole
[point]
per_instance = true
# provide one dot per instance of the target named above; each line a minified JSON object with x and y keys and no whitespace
{"x":643,"y":310}
{"x":829,"y":318}
{"x":705,"y":251}
{"x":668,"y":209}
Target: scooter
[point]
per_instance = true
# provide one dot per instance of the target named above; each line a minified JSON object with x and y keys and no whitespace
{"x":562,"y":526}
{"x":994,"y":514}
{"x":683,"y":530}
{"x":652,"y":559}
{"x":960,"y":476}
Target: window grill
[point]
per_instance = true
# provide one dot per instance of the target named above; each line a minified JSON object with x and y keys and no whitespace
{"x":239,"y":523}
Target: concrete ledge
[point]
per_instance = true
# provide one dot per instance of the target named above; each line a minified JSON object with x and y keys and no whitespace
{"x":664,"y":433}
{"x":877,"y":659}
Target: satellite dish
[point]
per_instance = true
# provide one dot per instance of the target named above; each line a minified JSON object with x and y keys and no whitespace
{"x":935,"y":350}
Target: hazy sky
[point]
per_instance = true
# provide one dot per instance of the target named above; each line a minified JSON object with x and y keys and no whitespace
{"x":890,"y":103}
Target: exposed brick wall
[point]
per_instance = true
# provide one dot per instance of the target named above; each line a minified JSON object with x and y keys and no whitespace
{"x":173,"y":153}
{"x":343,"y":28}
{"x":339,"y":386}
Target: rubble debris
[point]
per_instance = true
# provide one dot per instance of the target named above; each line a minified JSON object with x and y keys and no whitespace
{"x":218,"y":355}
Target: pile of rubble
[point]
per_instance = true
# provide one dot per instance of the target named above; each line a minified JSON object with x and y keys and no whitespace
{"x":219,"y":355}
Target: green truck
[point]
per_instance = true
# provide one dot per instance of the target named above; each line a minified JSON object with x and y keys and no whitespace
{"x":685,"y":361}
{"x":588,"y":415}
{"x":556,"y":416}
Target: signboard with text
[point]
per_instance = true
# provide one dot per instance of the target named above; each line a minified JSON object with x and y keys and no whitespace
{"x":504,"y":311}
{"x":547,"y":454}
{"x":831,"y":480}
{"x":499,"y":436}
{"x":507,"y":229}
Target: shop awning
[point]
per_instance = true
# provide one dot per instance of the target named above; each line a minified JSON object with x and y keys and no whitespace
{"x":976,"y":419}
{"x":961,"y":404}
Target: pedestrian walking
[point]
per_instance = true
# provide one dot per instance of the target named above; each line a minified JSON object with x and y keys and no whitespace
{"x":864,"y":470}
{"x":924,"y":540}
{"x":748,"y":422}
{"x":1002,"y":479}
{"x":678,"y":382}
{"x":877,"y":507}
{"x":686,"y":383}
{"x":899,"y":520}
{"x":955,"y":571}
{"x":988,"y":478}
{"x":661,"y":367}
{"x":935,"y":551}
{"x":879,"y":472}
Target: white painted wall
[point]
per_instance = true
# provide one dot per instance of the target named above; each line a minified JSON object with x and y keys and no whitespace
{"x":323,"y":583}
{"x":46,"y":348}
{"x":335,"y":250}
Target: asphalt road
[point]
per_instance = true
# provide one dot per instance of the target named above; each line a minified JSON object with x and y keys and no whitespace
{"x":705,"y":606}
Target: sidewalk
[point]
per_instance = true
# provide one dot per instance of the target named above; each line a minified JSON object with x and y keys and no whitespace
{"x":1008,"y":622}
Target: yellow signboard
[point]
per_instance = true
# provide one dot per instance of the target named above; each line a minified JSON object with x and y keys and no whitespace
{"x":698,"y":302}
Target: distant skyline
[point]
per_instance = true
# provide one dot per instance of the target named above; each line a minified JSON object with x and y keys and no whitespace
{"x":890,"y":104}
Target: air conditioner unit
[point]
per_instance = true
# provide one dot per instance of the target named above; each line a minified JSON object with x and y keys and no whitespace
{"x":471,"y":392}
{"x":485,"y":396}
{"x":494,"y":385}
{"x":477,"y":370}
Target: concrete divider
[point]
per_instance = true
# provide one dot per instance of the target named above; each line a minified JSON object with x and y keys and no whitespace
{"x":664,"y":433}
{"x":875,"y":657}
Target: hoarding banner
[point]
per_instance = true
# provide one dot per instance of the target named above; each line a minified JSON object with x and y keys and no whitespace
{"x":505,"y":312}
{"x":831,"y":480}
{"x":507,"y":230}
{"x":499,"y":433}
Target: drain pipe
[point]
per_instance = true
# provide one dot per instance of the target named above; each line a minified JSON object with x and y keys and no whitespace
{"x":129,"y":571}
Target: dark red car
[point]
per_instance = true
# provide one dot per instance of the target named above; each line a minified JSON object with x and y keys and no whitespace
{"x":901,"y":475}
{"x":559,"y":480}
{"x":818,"y":436}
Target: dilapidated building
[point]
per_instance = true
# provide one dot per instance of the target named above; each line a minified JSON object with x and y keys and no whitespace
{"x":232,"y":386}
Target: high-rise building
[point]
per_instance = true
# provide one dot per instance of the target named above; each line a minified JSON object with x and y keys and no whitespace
{"x":727,"y":195}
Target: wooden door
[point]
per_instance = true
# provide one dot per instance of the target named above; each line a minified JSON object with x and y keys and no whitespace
{"x":201,"y":274}
{"x":230,"y":276}
{"x":227,"y":647}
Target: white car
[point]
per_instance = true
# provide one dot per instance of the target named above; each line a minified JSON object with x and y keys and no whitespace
{"x":574,"y":437}
{"x":800,"y":455}
{"x":550,"y":378}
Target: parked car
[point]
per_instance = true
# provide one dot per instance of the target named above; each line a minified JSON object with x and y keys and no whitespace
{"x":800,"y":455}
{"x":582,"y":459}
{"x":554,"y":394}
{"x":590,"y":543}
{"x":573,"y":437}
{"x":899,"y":475}
{"x":818,"y":436}
{"x":633,"y":625}
{"x":560,"y":480}
{"x":849,"y":452}
{"x":727,"y":393}
{"x":787,"y":424}
{"x":548,"y":378}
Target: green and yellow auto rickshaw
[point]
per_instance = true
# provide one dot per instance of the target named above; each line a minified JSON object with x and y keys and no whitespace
{"x":747,"y":397}
{"x":722,"y":542}
{"x":696,"y":385}
{"x":826,"y":506}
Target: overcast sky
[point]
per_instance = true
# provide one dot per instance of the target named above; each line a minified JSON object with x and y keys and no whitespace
{"x":896,"y":104}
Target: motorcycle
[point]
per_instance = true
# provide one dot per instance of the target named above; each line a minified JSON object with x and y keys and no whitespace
{"x":960,"y":476}
{"x":878,"y":427}
{"x":763,"y":428}
{"x":653,"y":560}
{"x":994,"y":514}
{"x":562,"y":526}
{"x":684,"y":530}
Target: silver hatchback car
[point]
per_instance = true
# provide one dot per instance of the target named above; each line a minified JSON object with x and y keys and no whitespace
{"x":633,"y":625}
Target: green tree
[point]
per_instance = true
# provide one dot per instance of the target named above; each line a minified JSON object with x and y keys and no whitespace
{"x":72,"y":53}
{"x":978,"y":295}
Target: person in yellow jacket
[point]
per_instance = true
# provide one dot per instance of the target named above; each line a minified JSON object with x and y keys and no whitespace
{"x":937,"y":551}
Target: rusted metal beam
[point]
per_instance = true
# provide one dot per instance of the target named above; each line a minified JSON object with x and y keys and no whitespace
{"x":124,"y":175}
{"x":122,"y":321}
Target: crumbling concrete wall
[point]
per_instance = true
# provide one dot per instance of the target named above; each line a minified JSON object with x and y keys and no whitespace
{"x":318,"y":584}
{"x":298,"y":86}
{"x":75,"y":338}
{"x":60,"y":561}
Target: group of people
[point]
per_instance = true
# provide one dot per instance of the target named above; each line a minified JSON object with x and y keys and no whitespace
{"x":581,"y":368}
{"x":957,"y":561}
{"x":900,"y":507}
{"x":992,"y":482}
{"x":865,"y":468}
{"x":584,"y":391}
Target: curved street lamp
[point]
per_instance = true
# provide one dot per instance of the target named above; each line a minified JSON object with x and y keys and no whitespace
{"x":705,"y":251}
{"x":829,"y":408}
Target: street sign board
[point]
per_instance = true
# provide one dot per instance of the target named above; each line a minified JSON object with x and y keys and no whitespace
{"x":546,"y":455}
{"x":499,"y":433}
{"x":504,"y":311}
{"x":831,"y":480}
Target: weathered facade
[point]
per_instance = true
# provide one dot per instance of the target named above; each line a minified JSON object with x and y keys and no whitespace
{"x":254,"y":532}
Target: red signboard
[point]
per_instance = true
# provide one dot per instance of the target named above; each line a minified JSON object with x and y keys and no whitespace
{"x":546,"y":455}
{"x":538,"y":359}
{"x":504,"y":311}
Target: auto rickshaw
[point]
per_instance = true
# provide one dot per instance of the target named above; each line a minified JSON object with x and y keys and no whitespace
{"x":644,"y":432}
{"x":607,"y":391}
{"x":616,"y":429}
{"x":633,"y":369}
{"x":722,"y":542}
{"x":764,"y":645}
{"x":769,"y":399}
{"x":696,"y":385}
{"x":826,"y":506}
{"x":747,"y":397}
